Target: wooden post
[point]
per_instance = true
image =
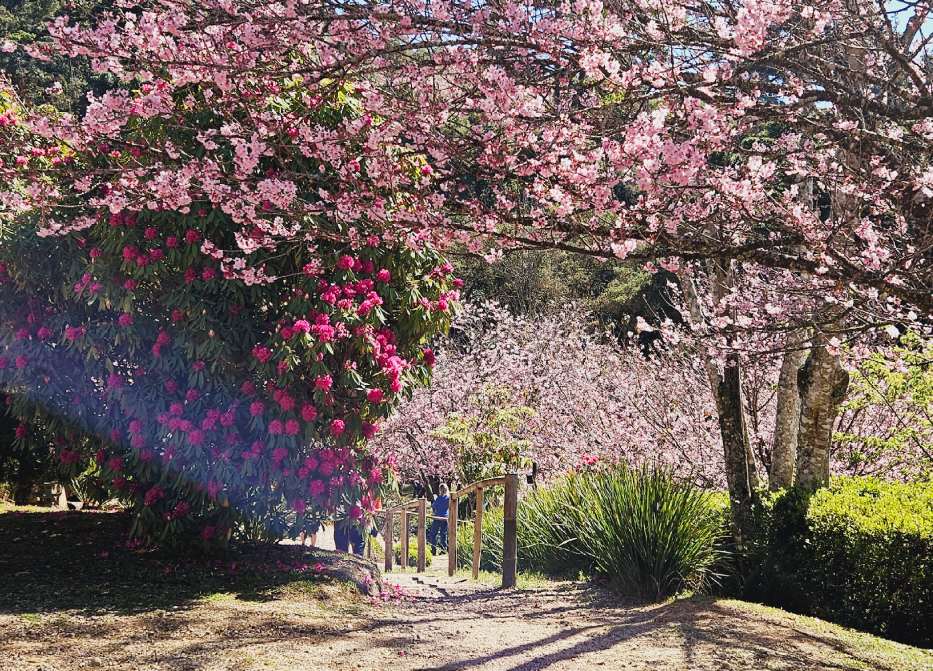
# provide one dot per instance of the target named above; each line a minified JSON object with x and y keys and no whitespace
{"x":510,"y":538}
{"x":452,"y":536}
{"x":404,"y":558}
{"x":422,"y":535}
{"x":477,"y":532}
{"x":387,"y":540}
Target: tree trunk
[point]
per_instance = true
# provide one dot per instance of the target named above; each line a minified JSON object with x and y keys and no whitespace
{"x":823,"y":383}
{"x":741,"y":471}
{"x":787,"y":421}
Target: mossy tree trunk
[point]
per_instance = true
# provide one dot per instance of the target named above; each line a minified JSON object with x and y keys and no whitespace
{"x":823,"y":383}
{"x":787,"y":417}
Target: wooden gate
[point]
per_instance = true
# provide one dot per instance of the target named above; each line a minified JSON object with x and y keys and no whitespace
{"x":510,"y":531}
{"x":419,"y":507}
{"x":406,"y":510}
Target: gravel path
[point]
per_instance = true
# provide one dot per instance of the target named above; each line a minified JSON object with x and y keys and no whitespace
{"x":446,"y":624}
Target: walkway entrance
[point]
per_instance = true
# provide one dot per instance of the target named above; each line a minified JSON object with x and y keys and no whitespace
{"x":418,"y":508}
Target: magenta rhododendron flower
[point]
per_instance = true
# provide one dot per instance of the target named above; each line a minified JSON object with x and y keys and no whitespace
{"x":337,"y":427}
{"x":369,"y":429}
{"x":345,"y":262}
{"x":275,"y":427}
{"x":292,"y":427}
{"x":126,"y":319}
{"x":308,"y":412}
{"x":116,"y":464}
{"x":262,"y":354}
{"x":374,"y":395}
{"x":22,"y":431}
{"x":383,"y":275}
{"x":256,"y":408}
{"x":69,"y":457}
{"x":181,"y":510}
{"x":323,"y":382}
{"x":153,"y":496}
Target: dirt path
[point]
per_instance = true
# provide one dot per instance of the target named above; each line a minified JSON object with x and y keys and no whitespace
{"x":446,"y":624}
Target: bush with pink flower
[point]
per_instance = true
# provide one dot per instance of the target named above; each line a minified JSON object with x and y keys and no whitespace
{"x":176,"y":368}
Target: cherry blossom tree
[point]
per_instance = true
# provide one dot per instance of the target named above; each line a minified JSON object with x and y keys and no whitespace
{"x":718,"y":140}
{"x":584,"y":398}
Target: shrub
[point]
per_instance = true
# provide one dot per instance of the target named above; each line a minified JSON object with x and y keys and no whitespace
{"x":859,"y":553}
{"x":647,"y":532}
{"x":490,"y":558}
{"x":549,"y":523}
{"x":156,"y":345}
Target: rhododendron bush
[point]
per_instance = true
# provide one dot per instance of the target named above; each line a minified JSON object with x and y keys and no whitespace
{"x":222,"y":390}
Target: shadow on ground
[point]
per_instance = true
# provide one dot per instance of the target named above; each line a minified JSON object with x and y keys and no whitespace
{"x":81,"y":562}
{"x":72,"y":591}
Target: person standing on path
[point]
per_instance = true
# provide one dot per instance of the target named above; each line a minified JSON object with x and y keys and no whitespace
{"x":441,"y":508}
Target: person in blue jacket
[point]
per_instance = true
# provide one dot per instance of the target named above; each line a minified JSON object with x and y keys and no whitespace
{"x":441,"y":508}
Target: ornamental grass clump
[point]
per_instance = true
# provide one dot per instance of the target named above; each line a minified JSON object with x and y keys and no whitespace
{"x":649,"y":533}
{"x":549,"y":523}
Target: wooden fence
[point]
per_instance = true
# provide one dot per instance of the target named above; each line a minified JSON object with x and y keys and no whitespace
{"x":419,"y":507}
{"x":510,"y":532}
{"x":406,"y":510}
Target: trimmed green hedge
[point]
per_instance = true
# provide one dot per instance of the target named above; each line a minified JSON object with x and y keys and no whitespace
{"x":859,"y":553}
